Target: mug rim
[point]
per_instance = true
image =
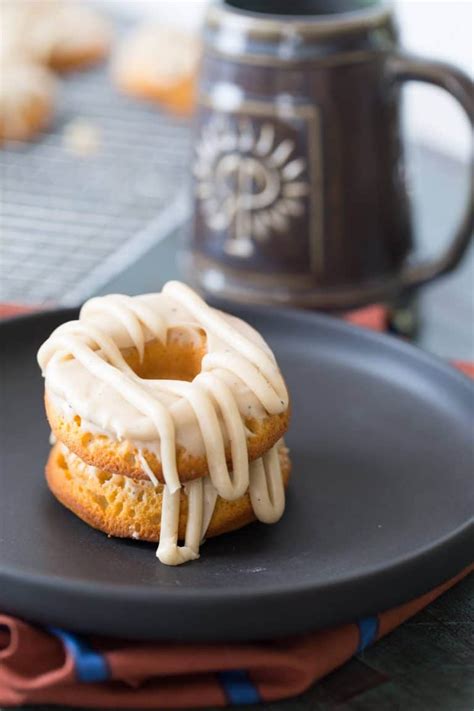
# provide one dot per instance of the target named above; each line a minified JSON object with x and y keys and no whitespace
{"x":266,"y":25}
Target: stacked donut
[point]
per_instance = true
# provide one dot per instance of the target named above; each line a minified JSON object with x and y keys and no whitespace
{"x":168,"y":418}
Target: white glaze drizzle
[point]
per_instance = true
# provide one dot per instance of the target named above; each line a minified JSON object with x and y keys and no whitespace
{"x":267,"y":492}
{"x":146,"y":468}
{"x":229,"y":349}
{"x":209,"y":504}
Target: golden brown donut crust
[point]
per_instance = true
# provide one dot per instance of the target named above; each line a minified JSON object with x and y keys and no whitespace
{"x":121,"y":507}
{"x":103,"y":452}
{"x":176,"y":360}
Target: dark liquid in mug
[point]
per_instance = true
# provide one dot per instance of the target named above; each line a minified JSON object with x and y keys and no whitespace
{"x":302,"y":7}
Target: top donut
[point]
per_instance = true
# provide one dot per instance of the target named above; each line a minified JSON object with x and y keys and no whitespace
{"x":163,"y":383}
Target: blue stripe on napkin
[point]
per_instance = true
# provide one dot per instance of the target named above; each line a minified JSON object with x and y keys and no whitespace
{"x":90,"y":666}
{"x":368,"y":629}
{"x":238,"y":687}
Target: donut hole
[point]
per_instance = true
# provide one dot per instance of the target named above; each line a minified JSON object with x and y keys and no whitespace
{"x":179,"y":359}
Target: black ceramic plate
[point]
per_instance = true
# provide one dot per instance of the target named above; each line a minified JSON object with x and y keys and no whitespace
{"x":380,"y":507}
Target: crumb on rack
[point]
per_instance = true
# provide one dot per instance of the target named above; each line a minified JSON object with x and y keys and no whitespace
{"x":81,"y":137}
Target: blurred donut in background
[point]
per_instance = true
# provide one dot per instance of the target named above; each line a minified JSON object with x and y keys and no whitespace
{"x":39,"y":36}
{"x":158,"y":64}
{"x":62,"y":34}
{"x":27,"y":92}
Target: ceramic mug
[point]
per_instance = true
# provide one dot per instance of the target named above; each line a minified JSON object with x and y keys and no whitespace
{"x":299,"y":188}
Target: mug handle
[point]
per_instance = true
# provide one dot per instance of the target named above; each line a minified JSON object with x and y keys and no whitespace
{"x":403,"y":68}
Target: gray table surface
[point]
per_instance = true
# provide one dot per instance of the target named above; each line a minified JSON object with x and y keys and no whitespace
{"x":427,"y":664}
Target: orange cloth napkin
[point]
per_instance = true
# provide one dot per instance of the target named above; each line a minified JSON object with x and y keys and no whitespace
{"x":54,"y":667}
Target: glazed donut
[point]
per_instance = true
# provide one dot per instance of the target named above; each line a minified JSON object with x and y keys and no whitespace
{"x":158,"y":64}
{"x":165,"y":388}
{"x":27,"y":94}
{"x":61,"y":34}
{"x":125,"y":508}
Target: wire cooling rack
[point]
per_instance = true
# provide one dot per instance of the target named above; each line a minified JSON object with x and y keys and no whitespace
{"x":70,"y":222}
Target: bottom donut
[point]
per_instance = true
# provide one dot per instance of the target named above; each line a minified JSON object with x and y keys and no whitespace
{"x":128,"y":508}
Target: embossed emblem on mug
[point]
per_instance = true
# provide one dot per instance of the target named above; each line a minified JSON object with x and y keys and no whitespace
{"x":250,"y":184}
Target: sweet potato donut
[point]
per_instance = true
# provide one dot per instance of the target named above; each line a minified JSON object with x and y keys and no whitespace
{"x":125,"y":508}
{"x":150,"y":393}
{"x":179,"y":359}
{"x":27,"y":93}
{"x":61,"y":34}
{"x":158,"y":64}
